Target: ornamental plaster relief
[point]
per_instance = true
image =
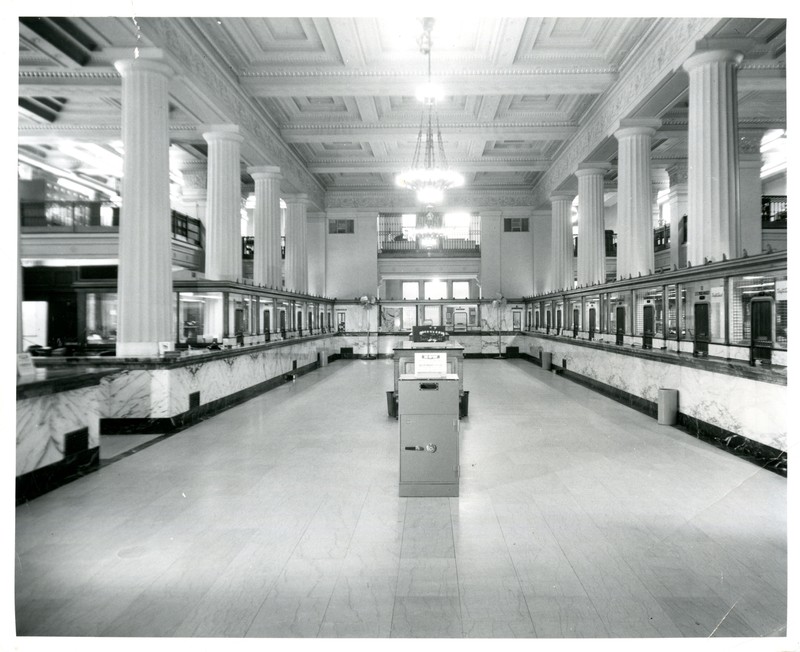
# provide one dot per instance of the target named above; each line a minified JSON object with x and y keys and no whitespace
{"x":403,"y":200}
{"x":229,"y":97}
{"x":668,"y":51}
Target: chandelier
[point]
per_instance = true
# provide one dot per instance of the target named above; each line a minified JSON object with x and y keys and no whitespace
{"x":429,"y":174}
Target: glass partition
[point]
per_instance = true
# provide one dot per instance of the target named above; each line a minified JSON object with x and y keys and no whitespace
{"x":672,"y":312}
{"x":101,"y":317}
{"x":199,"y":317}
{"x":648,"y":297}
{"x":743,"y":290}
{"x":709,"y":292}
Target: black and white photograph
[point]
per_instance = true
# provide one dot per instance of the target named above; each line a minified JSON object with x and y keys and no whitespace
{"x":378,"y":328}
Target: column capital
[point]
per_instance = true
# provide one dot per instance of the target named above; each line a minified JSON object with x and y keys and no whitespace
{"x":702,"y":57}
{"x":264,"y":172}
{"x":678,"y":174}
{"x":563,"y":195}
{"x":636,"y":127}
{"x":588,"y":168}
{"x":128,"y":66}
{"x":296,"y":198}
{"x":222,"y":132}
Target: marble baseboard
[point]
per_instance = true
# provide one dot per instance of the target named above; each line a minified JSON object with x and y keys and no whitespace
{"x":759,"y":454}
{"x":40,"y":481}
{"x":148,"y":425}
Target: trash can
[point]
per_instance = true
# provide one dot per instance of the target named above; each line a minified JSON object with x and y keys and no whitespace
{"x":463,"y":405}
{"x":391,"y":404}
{"x":547,"y":360}
{"x":667,"y":407}
{"x":323,"y":357}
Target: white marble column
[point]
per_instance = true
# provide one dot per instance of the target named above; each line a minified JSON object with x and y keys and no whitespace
{"x":678,"y":203}
{"x":713,"y":223}
{"x":144,"y":277}
{"x":591,"y":223}
{"x":634,"y":198}
{"x":296,"y":256}
{"x":223,"y":218}
{"x":267,"y":226}
{"x":750,"y":190}
{"x":561,"y":256}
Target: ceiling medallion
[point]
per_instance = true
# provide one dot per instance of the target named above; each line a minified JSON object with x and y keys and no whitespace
{"x":429,"y":175}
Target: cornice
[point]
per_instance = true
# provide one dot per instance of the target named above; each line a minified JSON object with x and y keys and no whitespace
{"x":366,"y":126}
{"x":195,"y":58}
{"x":402,"y":200}
{"x":394,"y":73}
{"x":666,"y":51}
{"x":71,"y":75}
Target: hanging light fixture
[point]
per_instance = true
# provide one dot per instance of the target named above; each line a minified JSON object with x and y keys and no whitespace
{"x":429,"y":174}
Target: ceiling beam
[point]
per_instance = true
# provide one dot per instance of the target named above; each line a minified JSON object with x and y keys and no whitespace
{"x":334,"y":133}
{"x":402,"y":83}
{"x":363,"y":167}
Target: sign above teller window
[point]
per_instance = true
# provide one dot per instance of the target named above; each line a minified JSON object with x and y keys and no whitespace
{"x":430,"y":363}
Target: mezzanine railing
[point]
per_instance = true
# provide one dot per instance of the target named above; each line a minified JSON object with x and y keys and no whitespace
{"x":97,"y":216}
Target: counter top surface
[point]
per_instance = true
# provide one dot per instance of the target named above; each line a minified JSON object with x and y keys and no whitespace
{"x":51,"y":381}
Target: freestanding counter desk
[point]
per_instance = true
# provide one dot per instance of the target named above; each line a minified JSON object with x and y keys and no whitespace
{"x":404,"y":364}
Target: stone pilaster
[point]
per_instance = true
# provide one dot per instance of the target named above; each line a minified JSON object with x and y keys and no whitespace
{"x":267,"y":225}
{"x":750,"y":189}
{"x":561,"y":254}
{"x":634,"y":197}
{"x":296,"y":256}
{"x":144,"y":277}
{"x":713,"y":223}
{"x":591,"y":223}
{"x":223,"y":219}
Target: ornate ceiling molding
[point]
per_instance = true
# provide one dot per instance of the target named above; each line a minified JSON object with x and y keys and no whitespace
{"x":394,"y":73}
{"x":663,"y":54}
{"x":400,"y":200}
{"x":196,"y":59}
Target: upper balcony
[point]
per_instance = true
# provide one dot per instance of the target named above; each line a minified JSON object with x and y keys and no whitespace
{"x":429,"y":235}
{"x":90,"y":229}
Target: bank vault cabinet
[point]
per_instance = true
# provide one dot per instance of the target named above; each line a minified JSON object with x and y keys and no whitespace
{"x":428,"y":415}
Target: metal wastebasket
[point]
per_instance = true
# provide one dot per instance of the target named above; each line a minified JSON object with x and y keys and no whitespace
{"x":547,"y":360}
{"x":667,"y":407}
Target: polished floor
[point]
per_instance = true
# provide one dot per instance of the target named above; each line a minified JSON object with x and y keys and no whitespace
{"x":578,"y":517}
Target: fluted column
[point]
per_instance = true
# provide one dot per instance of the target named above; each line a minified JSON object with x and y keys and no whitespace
{"x":591,"y":223}
{"x":267,"y":225}
{"x":713,"y":223}
{"x":750,"y":189}
{"x":634,"y":198}
{"x":678,"y":201}
{"x":144,"y":277}
{"x":223,"y":219}
{"x":561,"y":258}
{"x":296,"y":256}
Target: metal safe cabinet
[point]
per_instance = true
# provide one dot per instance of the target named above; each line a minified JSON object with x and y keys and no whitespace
{"x":428,"y":414}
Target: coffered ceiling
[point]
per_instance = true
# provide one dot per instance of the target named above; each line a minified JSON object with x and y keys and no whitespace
{"x":335,"y":97}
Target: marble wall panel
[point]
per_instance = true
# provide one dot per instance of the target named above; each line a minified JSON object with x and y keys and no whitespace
{"x":43,"y":421}
{"x":748,"y":407}
{"x":128,"y":394}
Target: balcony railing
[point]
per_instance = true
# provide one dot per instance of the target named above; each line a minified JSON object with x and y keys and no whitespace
{"x":773,"y":212}
{"x":248,"y":247}
{"x":661,"y":238}
{"x":97,"y":216}
{"x":429,"y":234}
{"x":69,"y":215}
{"x":611,"y":244}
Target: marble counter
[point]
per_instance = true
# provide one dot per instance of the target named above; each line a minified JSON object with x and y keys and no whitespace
{"x":749,"y":402}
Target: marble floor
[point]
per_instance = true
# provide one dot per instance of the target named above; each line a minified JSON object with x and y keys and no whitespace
{"x":578,"y":517}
